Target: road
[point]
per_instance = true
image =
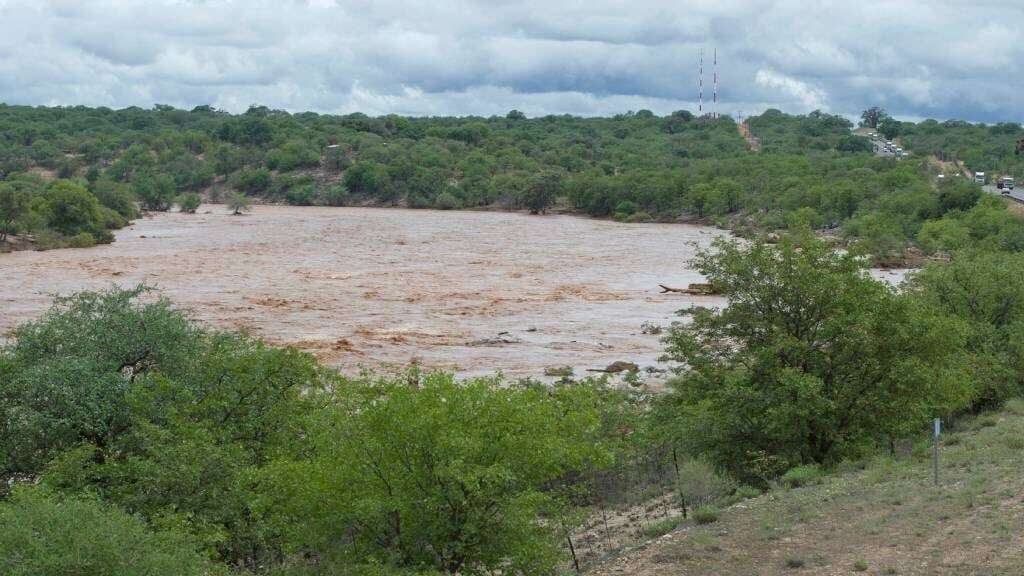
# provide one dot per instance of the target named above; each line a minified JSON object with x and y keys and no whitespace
{"x":1016,"y":194}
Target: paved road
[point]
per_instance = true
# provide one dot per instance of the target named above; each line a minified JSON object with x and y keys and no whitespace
{"x":1017,"y":194}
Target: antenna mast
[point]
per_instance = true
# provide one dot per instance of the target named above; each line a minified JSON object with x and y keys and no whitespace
{"x":714,"y":105}
{"x":700,"y":82}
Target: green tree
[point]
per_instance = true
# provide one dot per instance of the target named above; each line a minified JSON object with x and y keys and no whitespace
{"x":13,"y":206}
{"x":986,"y":290}
{"x":156,"y":192}
{"x":812,"y":361}
{"x":443,"y":475}
{"x":872,"y":117}
{"x":541,"y":192}
{"x":73,"y":209}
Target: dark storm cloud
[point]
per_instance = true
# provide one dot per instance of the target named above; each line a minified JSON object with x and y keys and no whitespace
{"x":918,"y":58}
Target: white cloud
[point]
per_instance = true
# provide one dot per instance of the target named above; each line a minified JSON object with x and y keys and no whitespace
{"x":943,"y":58}
{"x":810,"y":98}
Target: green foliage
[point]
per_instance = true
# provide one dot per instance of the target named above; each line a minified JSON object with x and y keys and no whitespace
{"x":13,"y":207}
{"x":189,"y":203}
{"x":985,"y":148}
{"x":156,"y":192}
{"x":44,"y":534}
{"x":823,"y":361}
{"x":238,"y":203}
{"x":441,"y":474}
{"x":252,"y":181}
{"x":871,"y":117}
{"x":801,"y":476}
{"x":661,"y":527}
{"x":705,"y":515}
{"x":817,"y":131}
{"x":82,"y":240}
{"x":986,"y":291}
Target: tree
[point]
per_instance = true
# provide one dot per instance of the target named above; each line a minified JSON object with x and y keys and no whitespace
{"x":889,"y":127}
{"x":72,"y":209}
{"x":812,"y":361}
{"x":443,"y":475}
{"x":48,"y":534}
{"x":238,"y":203}
{"x":872,"y":117}
{"x":986,"y":290}
{"x":13,"y":206}
{"x":541,"y":192}
{"x":156,"y":192}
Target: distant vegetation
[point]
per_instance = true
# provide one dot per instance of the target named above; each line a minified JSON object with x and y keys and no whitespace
{"x":812,"y":171}
{"x":993,"y":149}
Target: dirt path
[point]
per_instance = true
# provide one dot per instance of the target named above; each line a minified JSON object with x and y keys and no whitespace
{"x":477,"y":291}
{"x":752,"y":141}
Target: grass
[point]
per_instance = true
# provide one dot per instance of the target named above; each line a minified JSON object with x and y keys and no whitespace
{"x":880,"y":516}
{"x":661,"y":527}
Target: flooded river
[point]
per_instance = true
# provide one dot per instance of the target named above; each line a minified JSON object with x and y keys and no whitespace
{"x":477,"y":292}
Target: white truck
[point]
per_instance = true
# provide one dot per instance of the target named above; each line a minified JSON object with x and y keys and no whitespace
{"x":979,"y":177}
{"x":1005,"y":183}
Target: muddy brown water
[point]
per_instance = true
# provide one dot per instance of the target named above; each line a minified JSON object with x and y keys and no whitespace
{"x":376,"y":288}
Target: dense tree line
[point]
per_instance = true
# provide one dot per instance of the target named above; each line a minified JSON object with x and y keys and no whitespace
{"x":636,"y":167}
{"x":991,"y":148}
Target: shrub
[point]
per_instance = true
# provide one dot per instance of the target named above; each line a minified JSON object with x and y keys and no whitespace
{"x":661,"y":527}
{"x":43,"y":534}
{"x":700,"y":484}
{"x":705,"y":515}
{"x":447,"y":201}
{"x":301,"y":195}
{"x":743,"y":493}
{"x":82,"y":240}
{"x":801,"y":476}
{"x":336,"y":195}
{"x":860,"y":566}
{"x":189,"y":203}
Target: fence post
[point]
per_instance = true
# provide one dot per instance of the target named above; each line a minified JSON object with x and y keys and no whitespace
{"x":937,"y":427}
{"x":679,"y":485}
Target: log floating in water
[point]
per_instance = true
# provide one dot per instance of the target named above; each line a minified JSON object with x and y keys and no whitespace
{"x":698,"y":289}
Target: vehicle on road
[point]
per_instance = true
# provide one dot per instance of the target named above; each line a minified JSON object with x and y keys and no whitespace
{"x":1005,"y":184}
{"x":979,"y":177}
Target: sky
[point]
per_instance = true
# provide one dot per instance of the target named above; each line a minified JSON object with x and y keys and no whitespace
{"x":915,"y":58}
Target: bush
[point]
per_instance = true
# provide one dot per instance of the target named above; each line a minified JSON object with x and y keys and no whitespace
{"x":661,"y":527}
{"x":336,"y":195}
{"x":801,"y":476}
{"x":700,"y":484}
{"x":743,"y":493}
{"x":189,"y":203}
{"x":705,"y":515}
{"x":82,"y":240}
{"x":447,"y":201}
{"x":860,"y":566}
{"x":301,"y":195}
{"x":47,"y":534}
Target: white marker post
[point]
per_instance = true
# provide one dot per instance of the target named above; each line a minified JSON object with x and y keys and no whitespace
{"x":935,"y":449}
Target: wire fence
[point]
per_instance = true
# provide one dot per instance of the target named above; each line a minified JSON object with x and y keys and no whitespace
{"x":641,"y":497}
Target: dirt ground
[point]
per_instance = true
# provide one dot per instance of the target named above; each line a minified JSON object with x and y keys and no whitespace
{"x":362,"y":287}
{"x":887,"y":519}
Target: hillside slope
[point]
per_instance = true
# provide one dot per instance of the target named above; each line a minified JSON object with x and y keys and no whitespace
{"x":886,"y":518}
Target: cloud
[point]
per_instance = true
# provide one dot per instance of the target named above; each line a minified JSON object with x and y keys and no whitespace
{"x":917,"y":58}
{"x":808,"y":96}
